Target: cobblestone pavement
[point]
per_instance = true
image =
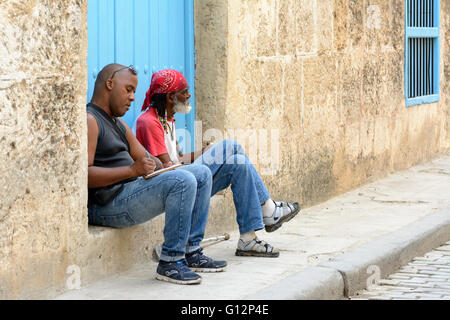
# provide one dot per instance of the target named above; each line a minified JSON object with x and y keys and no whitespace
{"x":425,"y":278}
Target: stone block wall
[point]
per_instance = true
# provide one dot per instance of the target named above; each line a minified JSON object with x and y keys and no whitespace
{"x":328,"y":75}
{"x":43,"y":175}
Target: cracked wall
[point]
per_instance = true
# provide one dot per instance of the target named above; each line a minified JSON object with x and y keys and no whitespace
{"x":42,"y":137}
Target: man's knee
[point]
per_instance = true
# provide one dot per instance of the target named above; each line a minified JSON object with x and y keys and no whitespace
{"x":205,"y":173}
{"x":238,"y":159}
{"x":183,"y":178}
{"x":201,"y":172}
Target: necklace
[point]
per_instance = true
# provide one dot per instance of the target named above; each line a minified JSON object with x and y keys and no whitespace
{"x":165,"y":123}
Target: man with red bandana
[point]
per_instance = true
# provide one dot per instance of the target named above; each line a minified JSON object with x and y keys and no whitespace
{"x":119,"y":195}
{"x":229,"y":165}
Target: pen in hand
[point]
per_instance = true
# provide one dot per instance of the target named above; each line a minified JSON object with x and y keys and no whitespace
{"x":158,"y":162}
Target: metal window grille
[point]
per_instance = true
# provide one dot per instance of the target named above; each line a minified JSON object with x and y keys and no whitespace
{"x":422,"y":52}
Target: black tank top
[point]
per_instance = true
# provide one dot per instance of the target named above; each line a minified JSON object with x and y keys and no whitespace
{"x":112,"y":147}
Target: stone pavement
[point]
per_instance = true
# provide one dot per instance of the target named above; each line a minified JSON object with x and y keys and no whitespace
{"x":325,"y":251}
{"x":425,"y":278}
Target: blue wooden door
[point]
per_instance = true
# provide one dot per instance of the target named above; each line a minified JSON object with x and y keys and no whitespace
{"x":151,"y":35}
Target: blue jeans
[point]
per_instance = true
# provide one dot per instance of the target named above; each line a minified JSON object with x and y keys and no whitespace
{"x":230,"y":165}
{"x":183,"y":194}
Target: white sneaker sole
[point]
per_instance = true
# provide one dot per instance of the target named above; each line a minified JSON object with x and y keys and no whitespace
{"x":167,"y":279}
{"x":208,"y":270}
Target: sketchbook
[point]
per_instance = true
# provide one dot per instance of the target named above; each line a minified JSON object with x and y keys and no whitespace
{"x":155,"y":173}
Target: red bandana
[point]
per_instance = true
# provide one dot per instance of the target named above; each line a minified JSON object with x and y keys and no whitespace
{"x":164,"y":81}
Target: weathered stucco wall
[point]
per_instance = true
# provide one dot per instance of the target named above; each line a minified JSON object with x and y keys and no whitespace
{"x":328,"y":75}
{"x":42,"y":138}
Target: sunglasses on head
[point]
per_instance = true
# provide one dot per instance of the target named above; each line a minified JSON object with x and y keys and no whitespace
{"x":130,"y":67}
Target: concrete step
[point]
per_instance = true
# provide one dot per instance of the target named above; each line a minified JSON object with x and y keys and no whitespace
{"x":326,"y":251}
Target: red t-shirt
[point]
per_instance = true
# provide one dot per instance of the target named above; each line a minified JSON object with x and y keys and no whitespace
{"x":150,"y":132}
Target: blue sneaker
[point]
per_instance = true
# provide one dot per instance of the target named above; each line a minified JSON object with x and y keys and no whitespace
{"x":198,"y":262}
{"x":177,"y":272}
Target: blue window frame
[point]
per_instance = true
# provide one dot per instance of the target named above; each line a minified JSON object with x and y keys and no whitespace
{"x":421,"y":51}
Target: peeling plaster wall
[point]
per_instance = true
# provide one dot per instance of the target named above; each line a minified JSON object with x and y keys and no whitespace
{"x":328,"y":75}
{"x":42,"y":138}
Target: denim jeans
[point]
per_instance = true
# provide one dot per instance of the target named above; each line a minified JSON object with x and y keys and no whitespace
{"x":230,"y":165}
{"x":183,"y":194}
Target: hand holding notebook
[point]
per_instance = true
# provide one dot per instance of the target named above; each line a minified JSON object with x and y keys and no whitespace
{"x":155,"y":173}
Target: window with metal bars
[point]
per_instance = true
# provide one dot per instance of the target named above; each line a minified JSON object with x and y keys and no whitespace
{"x":422,"y":51}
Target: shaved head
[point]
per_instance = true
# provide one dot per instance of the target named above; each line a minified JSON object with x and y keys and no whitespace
{"x":105,"y":74}
{"x":114,"y":89}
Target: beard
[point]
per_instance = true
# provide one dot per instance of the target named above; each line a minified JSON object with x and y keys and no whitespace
{"x":182,"y":107}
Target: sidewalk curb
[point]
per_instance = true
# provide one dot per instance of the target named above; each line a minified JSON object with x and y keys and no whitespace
{"x":349,"y":272}
{"x":312,"y":283}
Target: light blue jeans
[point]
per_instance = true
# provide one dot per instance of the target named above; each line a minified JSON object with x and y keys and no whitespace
{"x":230,"y":165}
{"x":183,"y":194}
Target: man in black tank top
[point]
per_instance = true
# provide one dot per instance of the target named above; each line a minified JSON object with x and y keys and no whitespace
{"x":120,"y":197}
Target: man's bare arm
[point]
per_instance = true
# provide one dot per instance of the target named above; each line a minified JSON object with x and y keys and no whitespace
{"x":191,"y":157}
{"x":165,"y":160}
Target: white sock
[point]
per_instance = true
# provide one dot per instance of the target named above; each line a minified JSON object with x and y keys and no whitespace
{"x":268,"y":208}
{"x":249,"y":236}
